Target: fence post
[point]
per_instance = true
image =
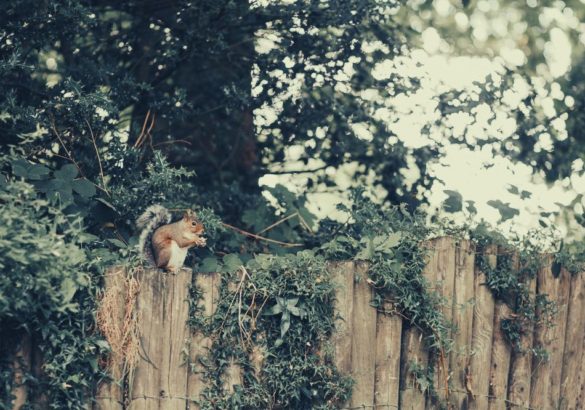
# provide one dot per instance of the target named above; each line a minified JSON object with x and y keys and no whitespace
{"x":573,"y":355}
{"x":501,"y":350}
{"x":160,"y":378}
{"x":521,"y":361}
{"x":363,"y":346}
{"x":482,"y":334}
{"x":199,"y":344}
{"x":387,"y":378}
{"x":463,"y":321}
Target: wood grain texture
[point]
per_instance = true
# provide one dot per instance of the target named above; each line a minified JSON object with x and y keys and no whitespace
{"x":573,"y":354}
{"x":110,"y":394}
{"x":557,"y":348}
{"x":363,"y":346}
{"x":463,"y":321}
{"x":482,"y":335}
{"x":443,"y":273}
{"x":342,"y":276}
{"x":541,"y":389}
{"x":413,"y":352}
{"x":500,"y":363}
{"x":387,"y":377}
{"x":160,"y":379}
{"x":521,"y":362}
{"x":209,"y":284}
{"x":501,"y":351}
{"x":580,"y":385}
{"x":413,"y":349}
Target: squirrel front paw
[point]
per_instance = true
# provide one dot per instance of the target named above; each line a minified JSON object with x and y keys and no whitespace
{"x":200,"y":242}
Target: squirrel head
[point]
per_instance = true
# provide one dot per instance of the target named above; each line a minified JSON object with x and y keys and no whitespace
{"x":191,"y":222}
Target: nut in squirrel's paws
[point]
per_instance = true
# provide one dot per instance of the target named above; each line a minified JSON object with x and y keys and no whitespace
{"x":200,"y":242}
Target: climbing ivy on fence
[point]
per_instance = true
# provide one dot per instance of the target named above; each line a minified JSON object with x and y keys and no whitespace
{"x":275,"y":298}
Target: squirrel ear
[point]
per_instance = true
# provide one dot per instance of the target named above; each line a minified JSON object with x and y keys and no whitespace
{"x":188,"y":215}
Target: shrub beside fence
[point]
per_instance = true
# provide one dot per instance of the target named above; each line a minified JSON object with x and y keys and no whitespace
{"x":380,"y":349}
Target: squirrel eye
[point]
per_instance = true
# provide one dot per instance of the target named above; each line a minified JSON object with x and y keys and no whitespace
{"x":193,"y":223}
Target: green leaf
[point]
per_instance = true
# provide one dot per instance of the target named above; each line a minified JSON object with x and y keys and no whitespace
{"x":209,"y":265}
{"x":367,"y":251}
{"x":68,"y":289}
{"x":284,"y":324}
{"x":295,"y":311}
{"x":506,"y":211}
{"x":67,"y":172}
{"x":454,"y":202}
{"x":274,"y":310}
{"x":83,"y":187}
{"x":292,"y":302}
{"x":118,"y":243}
{"x":231,"y":263}
{"x":38,"y":172}
{"x":20,"y":168}
{"x":385,"y":243}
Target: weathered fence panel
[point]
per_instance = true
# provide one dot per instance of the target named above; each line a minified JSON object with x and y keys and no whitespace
{"x":387,"y":377}
{"x":376,"y":346}
{"x":463,"y":299}
{"x":501,"y":352}
{"x":573,"y":355}
{"x":482,"y":335}
{"x":199,"y":344}
{"x":543,"y":337}
{"x":363,"y":346}
{"x":343,"y":278}
{"x":413,"y":351}
{"x":521,"y":361}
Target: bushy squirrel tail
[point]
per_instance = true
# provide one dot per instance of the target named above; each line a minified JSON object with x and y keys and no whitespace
{"x":154,"y":217}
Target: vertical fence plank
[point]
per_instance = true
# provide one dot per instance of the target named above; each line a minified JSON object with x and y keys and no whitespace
{"x":144,"y":386}
{"x":209,"y":284}
{"x":521,"y":362}
{"x":173,"y":382}
{"x":110,"y":394}
{"x":388,"y":335}
{"x":580,"y":385}
{"x":558,"y":347}
{"x":482,"y":334}
{"x":573,"y":355}
{"x":413,"y":349}
{"x":412,"y":352}
{"x":543,"y":338}
{"x":463,"y":321}
{"x":445,"y":286}
{"x":501,"y":351}
{"x":363,"y":346}
{"x":343,"y":279}
{"x":160,"y":379}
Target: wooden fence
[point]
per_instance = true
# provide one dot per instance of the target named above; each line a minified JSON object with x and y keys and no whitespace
{"x":377,"y":347}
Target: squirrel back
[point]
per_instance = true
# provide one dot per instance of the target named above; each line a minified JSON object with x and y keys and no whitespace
{"x":151,"y":219}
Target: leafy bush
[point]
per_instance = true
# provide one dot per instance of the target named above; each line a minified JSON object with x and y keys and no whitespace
{"x":46,"y":292}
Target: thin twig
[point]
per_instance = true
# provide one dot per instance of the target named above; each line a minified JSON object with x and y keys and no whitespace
{"x":143,"y":132}
{"x":278,"y":223}
{"x":70,"y":157}
{"x":173,"y":142}
{"x":98,"y":157}
{"x":261,"y":238}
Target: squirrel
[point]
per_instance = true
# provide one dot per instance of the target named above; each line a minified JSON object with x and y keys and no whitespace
{"x":165,"y":244}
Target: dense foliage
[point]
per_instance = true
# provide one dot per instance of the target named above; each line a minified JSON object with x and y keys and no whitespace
{"x":108,"y":107}
{"x":46,"y":296}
